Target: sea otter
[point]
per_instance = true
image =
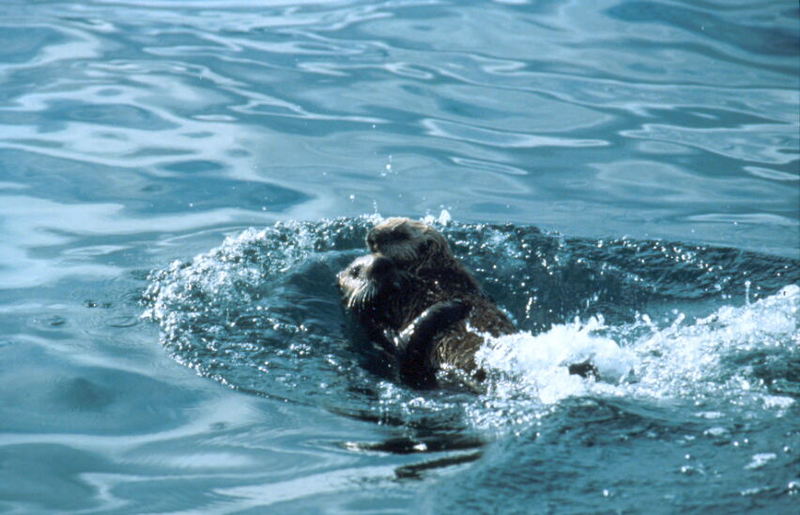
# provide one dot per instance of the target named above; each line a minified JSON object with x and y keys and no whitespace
{"x":418,"y":302}
{"x":415,"y":299}
{"x":374,"y":293}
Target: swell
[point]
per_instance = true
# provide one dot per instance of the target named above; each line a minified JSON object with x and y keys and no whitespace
{"x":261,"y":313}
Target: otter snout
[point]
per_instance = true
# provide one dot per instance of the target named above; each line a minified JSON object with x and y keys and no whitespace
{"x":368,"y":279}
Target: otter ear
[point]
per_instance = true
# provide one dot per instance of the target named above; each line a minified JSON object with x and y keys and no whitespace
{"x":416,"y":343}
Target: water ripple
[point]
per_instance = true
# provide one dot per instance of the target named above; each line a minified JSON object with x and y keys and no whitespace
{"x":473,"y":134}
{"x":134,"y":133}
{"x":767,"y":144}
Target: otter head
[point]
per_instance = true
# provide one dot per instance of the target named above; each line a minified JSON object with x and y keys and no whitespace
{"x":369,"y":284}
{"x":410,"y":244}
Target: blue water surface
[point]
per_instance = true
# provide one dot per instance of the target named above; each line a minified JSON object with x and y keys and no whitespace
{"x":180,"y":181}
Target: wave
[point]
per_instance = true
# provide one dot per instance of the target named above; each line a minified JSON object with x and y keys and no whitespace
{"x":661,"y":320}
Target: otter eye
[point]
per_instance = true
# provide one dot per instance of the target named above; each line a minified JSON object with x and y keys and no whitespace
{"x":355,"y":271}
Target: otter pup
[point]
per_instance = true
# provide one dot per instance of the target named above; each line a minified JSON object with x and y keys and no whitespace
{"x":371,"y":291}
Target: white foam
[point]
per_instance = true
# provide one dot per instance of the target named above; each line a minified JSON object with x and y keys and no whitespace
{"x":444,"y":218}
{"x":539,"y":364}
{"x":683,"y":360}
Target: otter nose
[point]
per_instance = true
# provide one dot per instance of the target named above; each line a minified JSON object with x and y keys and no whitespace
{"x":381,"y":266}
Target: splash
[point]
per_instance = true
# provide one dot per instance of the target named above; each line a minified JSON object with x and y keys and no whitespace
{"x":716,"y":356}
{"x":540,"y":363}
{"x":727,"y":361}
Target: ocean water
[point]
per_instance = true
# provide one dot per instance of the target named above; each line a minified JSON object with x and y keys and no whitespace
{"x":180,"y":181}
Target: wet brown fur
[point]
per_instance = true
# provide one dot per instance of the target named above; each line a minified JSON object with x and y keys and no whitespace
{"x":424,"y":273}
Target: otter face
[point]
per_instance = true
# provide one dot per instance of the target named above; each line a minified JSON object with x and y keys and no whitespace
{"x":368,"y":282}
{"x":410,"y":244}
